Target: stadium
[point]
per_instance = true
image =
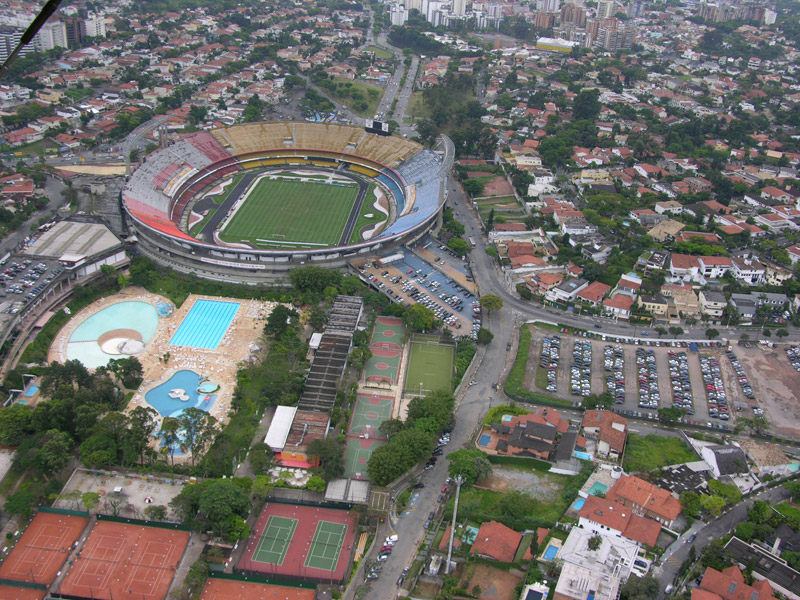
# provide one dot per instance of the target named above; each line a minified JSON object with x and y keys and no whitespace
{"x":249,"y":202}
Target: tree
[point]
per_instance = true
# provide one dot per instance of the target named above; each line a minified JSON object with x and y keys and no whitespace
{"x":690,"y":501}
{"x":220,"y":500}
{"x":142,"y":424}
{"x":15,"y":424}
{"x":712,"y":333}
{"x":782,"y":332}
{"x":586,"y":105}
{"x":419,"y":318}
{"x":793,"y":487}
{"x":595,"y":542}
{"x":170,"y":438}
{"x":279,"y":320}
{"x":262,"y":487}
{"x":198,"y":429}
{"x":52,"y":455}
{"x":261,"y":458}
{"x":155,"y":512}
{"x":391,"y":426}
{"x":20,"y":503}
{"x":459,"y":246}
{"x":437,"y":405}
{"x":640,"y":588}
{"x":713,"y":504}
{"x":485,"y":336}
{"x":675,"y":331}
{"x":661,"y":331}
{"x":316,"y":484}
{"x":329,"y":452}
{"x":491,"y":302}
{"x":745,"y":530}
{"x":471,"y":464}
{"x":473,"y":187}
{"x":90,"y":500}
{"x":669,"y":414}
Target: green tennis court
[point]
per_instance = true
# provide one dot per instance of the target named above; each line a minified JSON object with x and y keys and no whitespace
{"x":430,"y":367}
{"x":356,"y":454}
{"x":326,"y":546}
{"x":368,"y":414}
{"x":275,"y":540}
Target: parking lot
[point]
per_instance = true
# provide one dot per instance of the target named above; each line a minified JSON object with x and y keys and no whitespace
{"x":26,"y":281}
{"x":414,"y":280}
{"x":642,"y":378}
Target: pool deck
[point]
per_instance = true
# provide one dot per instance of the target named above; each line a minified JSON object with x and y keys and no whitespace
{"x":219,"y":365}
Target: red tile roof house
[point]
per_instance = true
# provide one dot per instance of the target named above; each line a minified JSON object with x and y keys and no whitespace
{"x":594,"y":292}
{"x":602,"y":516}
{"x":609,"y":429}
{"x":619,"y":306}
{"x":645,"y":499}
{"x":497,"y":542}
{"x":729,"y":585}
{"x":533,"y":434}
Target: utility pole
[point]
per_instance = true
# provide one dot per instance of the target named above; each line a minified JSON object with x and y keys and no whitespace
{"x":458,"y":481}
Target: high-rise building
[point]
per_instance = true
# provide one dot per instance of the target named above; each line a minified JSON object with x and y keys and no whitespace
{"x":414,"y":5}
{"x":95,"y":26}
{"x":548,"y":5}
{"x":398,"y":14}
{"x":9,"y":39}
{"x":573,"y":14}
{"x":770,"y":16}
{"x":635,"y":9}
{"x":459,"y":7}
{"x":606,"y":9}
{"x":53,"y":34}
{"x":74,"y":27}
{"x":545,"y":20}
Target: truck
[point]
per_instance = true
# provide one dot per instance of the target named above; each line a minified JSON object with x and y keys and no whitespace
{"x":387,"y":260}
{"x":471,"y":242}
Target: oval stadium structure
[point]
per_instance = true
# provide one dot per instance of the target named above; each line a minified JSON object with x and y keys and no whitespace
{"x":249,"y":202}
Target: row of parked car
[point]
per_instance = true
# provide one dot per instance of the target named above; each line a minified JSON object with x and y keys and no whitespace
{"x":614,"y":364}
{"x":549,"y":361}
{"x":581,"y":369}
{"x":715,"y":389}
{"x":743,"y":381}
{"x":793,"y":352}
{"x":29,"y":280}
{"x":649,"y":396}
{"x":681,"y":385}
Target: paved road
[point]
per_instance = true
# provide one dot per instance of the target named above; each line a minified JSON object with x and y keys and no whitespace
{"x":716,"y":529}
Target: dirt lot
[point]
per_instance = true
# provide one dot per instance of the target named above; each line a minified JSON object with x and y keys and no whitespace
{"x":775,"y":384}
{"x":545,"y":487}
{"x":495,"y":584}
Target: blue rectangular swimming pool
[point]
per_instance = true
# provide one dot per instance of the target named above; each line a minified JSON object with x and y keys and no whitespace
{"x":551,"y":552}
{"x":206,"y":324}
{"x":485,"y":439}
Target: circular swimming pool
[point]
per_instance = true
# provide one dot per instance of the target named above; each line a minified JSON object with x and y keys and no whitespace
{"x":116,"y":331}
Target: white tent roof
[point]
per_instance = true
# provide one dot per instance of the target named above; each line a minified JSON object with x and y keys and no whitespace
{"x":280,"y":426}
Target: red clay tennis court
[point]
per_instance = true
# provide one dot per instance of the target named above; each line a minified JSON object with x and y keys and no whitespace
{"x":43,"y":548}
{"x":123,"y":560}
{"x":319,"y":546}
{"x":227,"y":589}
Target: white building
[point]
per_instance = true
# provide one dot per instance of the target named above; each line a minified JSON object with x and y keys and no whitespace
{"x":599,"y":572}
{"x":53,"y":34}
{"x":398,"y":14}
{"x":459,"y":7}
{"x":95,"y":26}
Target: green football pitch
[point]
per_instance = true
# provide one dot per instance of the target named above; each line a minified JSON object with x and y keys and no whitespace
{"x":430,"y":367}
{"x":291,"y":214}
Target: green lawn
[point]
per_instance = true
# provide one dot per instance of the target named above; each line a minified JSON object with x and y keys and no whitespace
{"x":431,"y":365}
{"x":789,"y":510}
{"x":482,"y":505}
{"x":279,"y":212}
{"x":380,"y":53}
{"x":360,"y":97}
{"x":645,"y":454}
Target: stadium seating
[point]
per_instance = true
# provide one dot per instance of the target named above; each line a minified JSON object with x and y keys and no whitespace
{"x":322,"y":137}
{"x":389,"y":151}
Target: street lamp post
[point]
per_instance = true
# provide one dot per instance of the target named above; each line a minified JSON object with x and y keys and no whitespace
{"x":459,"y":480}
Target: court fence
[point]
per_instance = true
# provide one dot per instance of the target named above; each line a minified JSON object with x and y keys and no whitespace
{"x":304,"y":498}
{"x":64,"y":511}
{"x":260,"y":579}
{"x":23,"y":584}
{"x":143,"y":522}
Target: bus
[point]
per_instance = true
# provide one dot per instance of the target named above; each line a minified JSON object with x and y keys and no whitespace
{"x":471,"y":242}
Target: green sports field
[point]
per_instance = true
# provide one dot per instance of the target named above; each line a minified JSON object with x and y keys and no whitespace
{"x":291,"y":214}
{"x":430,"y":367}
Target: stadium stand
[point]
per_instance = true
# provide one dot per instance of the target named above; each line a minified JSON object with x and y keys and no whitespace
{"x":322,"y":137}
{"x":208,"y":145}
{"x":389,"y":151}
